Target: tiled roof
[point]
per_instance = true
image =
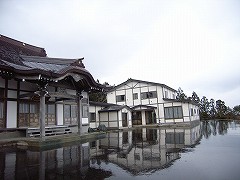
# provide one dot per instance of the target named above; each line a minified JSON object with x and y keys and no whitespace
{"x":23,"y":48}
{"x":18,"y":65}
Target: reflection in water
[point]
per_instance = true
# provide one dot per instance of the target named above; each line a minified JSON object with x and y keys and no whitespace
{"x":139,"y":151}
{"x":215,"y":127}
{"x":144,"y":150}
{"x":63,"y":163}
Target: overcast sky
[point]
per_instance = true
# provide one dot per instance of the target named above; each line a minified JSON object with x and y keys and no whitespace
{"x":192,"y":44}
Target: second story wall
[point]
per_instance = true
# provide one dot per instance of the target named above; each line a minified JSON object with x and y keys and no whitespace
{"x":139,"y":93}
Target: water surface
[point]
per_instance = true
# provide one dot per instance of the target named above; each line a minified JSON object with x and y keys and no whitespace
{"x":207,"y":151}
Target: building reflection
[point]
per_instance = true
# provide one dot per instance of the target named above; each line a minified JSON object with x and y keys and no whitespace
{"x":63,"y":163}
{"x":144,"y":150}
{"x":137,"y":151}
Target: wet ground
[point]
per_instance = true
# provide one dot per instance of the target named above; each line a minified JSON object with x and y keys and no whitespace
{"x":207,"y":151}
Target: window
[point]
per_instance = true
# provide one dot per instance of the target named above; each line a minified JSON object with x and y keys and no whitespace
{"x":191,"y":112}
{"x":173,"y":112}
{"x":175,"y":138}
{"x":166,"y":94}
{"x":70,"y":114}
{"x":92,"y":117}
{"x":149,"y":95}
{"x":28,"y":114}
{"x":24,"y":108}
{"x":120,"y":98}
{"x":135,"y":96}
{"x":50,"y":114}
{"x":85,"y":107}
{"x":173,"y":95}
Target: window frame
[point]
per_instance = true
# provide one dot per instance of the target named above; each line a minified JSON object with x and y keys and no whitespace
{"x":120,"y":98}
{"x":149,"y":95}
{"x":173,"y":112}
{"x":90,"y":117}
{"x":135,"y":96}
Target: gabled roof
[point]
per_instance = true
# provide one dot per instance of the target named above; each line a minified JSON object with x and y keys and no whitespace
{"x":140,"y":81}
{"x":114,"y":108}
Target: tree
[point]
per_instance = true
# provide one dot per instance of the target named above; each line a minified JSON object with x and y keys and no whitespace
{"x":195,"y":97}
{"x":180,"y":94}
{"x":99,"y":96}
{"x":212,"y":110}
{"x":221,"y":109}
{"x":204,"y":108}
{"x":236,"y":110}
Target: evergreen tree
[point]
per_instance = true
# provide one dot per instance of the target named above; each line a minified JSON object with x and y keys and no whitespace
{"x":195,"y":97}
{"x":204,"y":108}
{"x":180,"y":94}
{"x":236,"y":110}
{"x":212,"y":110}
{"x":221,"y":109}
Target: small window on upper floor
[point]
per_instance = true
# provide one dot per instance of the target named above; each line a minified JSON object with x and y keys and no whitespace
{"x":149,"y":95}
{"x":173,"y":96}
{"x":120,"y":98}
{"x":166,"y":94}
{"x":135,"y":96}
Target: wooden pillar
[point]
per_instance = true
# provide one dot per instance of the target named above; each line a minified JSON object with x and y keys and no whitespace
{"x":42,"y":93}
{"x":42,"y":114}
{"x":5,"y":103}
{"x":79,"y":111}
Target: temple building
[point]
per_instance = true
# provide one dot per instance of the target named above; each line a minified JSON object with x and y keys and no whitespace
{"x":43,"y":95}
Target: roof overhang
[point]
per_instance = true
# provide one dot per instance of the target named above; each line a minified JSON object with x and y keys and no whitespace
{"x":143,"y":107}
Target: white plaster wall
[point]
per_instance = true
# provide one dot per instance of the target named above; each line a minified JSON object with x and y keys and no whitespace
{"x":143,"y":118}
{"x":59,"y":109}
{"x":111,"y":98}
{"x":185,"y":109}
{"x":11,"y":114}
{"x":142,"y":84}
{"x":145,"y":101}
{"x":160,"y":95}
{"x":129,"y":97}
{"x":153,"y":101}
{"x":85,"y":121}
